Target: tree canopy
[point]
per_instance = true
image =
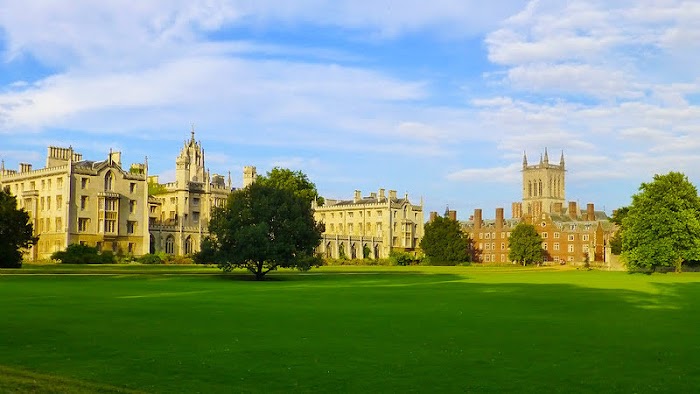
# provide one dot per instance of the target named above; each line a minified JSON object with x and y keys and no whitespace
{"x":525,"y":245}
{"x":15,"y":231}
{"x":295,"y":181}
{"x":262,"y":228}
{"x":662,"y":226}
{"x":444,"y":242}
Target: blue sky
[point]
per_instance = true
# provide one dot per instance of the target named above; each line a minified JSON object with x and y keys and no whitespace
{"x":435,"y":99}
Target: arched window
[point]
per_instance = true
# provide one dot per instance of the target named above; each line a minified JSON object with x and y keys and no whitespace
{"x":170,"y":244}
{"x":109,"y":181}
{"x":329,"y":251}
{"x":529,"y":188}
{"x":353,"y":251}
{"x":540,"y":191}
{"x":188,"y":245}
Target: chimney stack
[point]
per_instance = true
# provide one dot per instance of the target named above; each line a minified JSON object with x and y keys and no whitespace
{"x":433,"y":216}
{"x":358,"y":196}
{"x":499,"y":217}
{"x":590,"y":212}
{"x":452,"y":215}
{"x":477,"y":219}
{"x":392,"y":194}
{"x":558,"y":208}
{"x":573,"y":210}
{"x":381,"y":194}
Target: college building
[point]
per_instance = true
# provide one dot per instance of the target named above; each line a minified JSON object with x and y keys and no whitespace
{"x":570,"y":233}
{"x":98,"y":203}
{"x":370,"y":226}
{"x":72,"y":200}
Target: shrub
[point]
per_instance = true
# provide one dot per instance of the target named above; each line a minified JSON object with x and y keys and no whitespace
{"x":402,"y":258}
{"x":83,"y":254}
{"x":150,"y":259}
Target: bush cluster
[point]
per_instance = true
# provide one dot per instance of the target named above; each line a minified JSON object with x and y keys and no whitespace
{"x":83,"y":254}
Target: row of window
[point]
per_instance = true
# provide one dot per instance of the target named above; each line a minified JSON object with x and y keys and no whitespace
{"x":108,"y":226}
{"x":44,"y":225}
{"x":571,"y":237}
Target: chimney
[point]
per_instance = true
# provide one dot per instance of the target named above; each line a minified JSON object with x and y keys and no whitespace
{"x":25,"y":167}
{"x":381,"y":194}
{"x":558,"y":208}
{"x":452,"y":215}
{"x":358,"y":196}
{"x":477,"y":219}
{"x":573,"y":210}
{"x":373,"y":195}
{"x":115,"y":157}
{"x":590,"y":212}
{"x":392,"y":194}
{"x":433,"y":216}
{"x":499,"y":217}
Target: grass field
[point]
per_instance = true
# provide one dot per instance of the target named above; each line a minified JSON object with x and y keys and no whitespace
{"x":367,"y":329}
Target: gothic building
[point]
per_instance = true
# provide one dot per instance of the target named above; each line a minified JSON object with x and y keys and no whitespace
{"x":71,"y":200}
{"x":179,"y":211}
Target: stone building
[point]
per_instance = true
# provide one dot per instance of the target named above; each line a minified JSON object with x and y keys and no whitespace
{"x":371,"y":226}
{"x":179,"y":211}
{"x":569,"y":233}
{"x":71,"y":200}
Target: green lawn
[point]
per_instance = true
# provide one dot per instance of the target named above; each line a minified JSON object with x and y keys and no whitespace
{"x":349,"y":329}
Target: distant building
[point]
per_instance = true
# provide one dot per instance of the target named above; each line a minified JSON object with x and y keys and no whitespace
{"x":370,"y":226}
{"x":71,"y":200}
{"x":179,"y":211}
{"x":569,"y":233}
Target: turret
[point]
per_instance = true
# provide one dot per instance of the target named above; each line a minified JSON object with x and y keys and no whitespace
{"x":546,"y":156}
{"x":524,"y":160}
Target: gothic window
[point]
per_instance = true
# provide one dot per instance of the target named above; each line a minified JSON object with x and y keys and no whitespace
{"x":109,"y":181}
{"x":188,"y":245}
{"x":170,"y":244}
{"x":540,"y":190}
{"x":529,"y":188}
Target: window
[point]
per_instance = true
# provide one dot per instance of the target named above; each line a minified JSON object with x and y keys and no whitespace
{"x":585,"y":249}
{"x":188,"y":245}
{"x":571,"y":237}
{"x":83,"y":183}
{"x":132,"y":187}
{"x":110,"y":226}
{"x":59,"y":224}
{"x":59,"y":202}
{"x":83,"y":224}
{"x":544,"y":235}
{"x":83,"y":202}
{"x":130,"y":227}
{"x":59,"y":183}
{"x":132,"y":206}
{"x":503,"y":246}
{"x":43,"y":185}
{"x":109,"y":181}
{"x":130,"y":247}
{"x":42,"y":204}
{"x":110,"y":204}
{"x":556,"y":235}
{"x":544,"y":246}
{"x":584,"y":237}
{"x":488,"y":235}
{"x":48,"y":184}
{"x":487,"y":258}
{"x":98,"y":245}
{"x":556,"y":246}
{"x":571,"y":248}
{"x":493,"y":235}
{"x":488,"y":246}
{"x":350,"y":214}
{"x":48,"y":203}
{"x":481,"y":235}
{"x":195,"y":217}
{"x":195,"y":202}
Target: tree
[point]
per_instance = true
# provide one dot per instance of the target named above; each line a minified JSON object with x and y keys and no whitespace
{"x":295,"y":181}
{"x":662,"y":227}
{"x":15,"y":231}
{"x":262,"y":228}
{"x":525,"y":245}
{"x":444,"y":242}
{"x":616,"y":240}
{"x":83,"y":254}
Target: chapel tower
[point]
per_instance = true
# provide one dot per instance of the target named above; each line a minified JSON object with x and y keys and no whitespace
{"x":544,"y":185}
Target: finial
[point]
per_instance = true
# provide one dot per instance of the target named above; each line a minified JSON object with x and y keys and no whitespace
{"x":192,"y":132}
{"x":524,"y":159}
{"x":546,"y":156}
{"x":561,"y":161}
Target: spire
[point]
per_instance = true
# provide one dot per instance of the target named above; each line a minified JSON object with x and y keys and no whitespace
{"x":447,"y":210}
{"x":541,"y":160}
{"x":145,"y":162}
{"x":561,"y":161}
{"x":524,"y":159}
{"x":229,"y":180}
{"x":2,"y":165}
{"x":546,"y":156}
{"x":192,"y":139}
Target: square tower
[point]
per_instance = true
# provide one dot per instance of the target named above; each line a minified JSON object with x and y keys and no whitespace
{"x":544,"y":185}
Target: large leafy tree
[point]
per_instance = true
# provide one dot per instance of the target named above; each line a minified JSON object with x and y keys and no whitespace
{"x":444,"y":242}
{"x":262,"y":228}
{"x":295,"y":181}
{"x":15,"y":231}
{"x":662,"y":226}
{"x":525,"y":245}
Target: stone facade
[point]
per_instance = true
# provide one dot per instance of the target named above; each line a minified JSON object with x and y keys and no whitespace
{"x":371,"y":226}
{"x":179,"y":211}
{"x":569,"y":234}
{"x":72,"y":200}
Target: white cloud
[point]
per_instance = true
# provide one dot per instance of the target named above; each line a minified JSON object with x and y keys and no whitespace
{"x":509,"y":174}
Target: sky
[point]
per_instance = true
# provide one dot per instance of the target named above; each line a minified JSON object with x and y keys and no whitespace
{"x":438,"y":99}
